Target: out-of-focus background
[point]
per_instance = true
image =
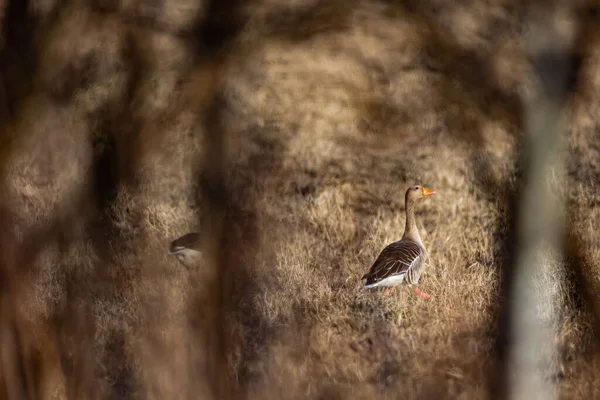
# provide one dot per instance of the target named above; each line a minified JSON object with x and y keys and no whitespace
{"x":322,"y":113}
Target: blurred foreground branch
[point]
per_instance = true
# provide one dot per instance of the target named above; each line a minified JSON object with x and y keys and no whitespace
{"x":529,"y":338}
{"x":215,"y":36}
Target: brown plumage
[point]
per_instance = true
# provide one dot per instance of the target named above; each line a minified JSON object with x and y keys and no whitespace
{"x":187,"y":249}
{"x":402,"y":261}
{"x":188,"y":241}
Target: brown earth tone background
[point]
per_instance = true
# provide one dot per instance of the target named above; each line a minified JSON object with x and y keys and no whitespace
{"x":288,"y":132}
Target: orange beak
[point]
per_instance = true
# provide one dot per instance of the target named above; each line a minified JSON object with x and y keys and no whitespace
{"x":428,"y":192}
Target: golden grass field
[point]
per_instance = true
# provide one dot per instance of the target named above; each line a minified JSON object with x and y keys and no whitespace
{"x":330,"y":110}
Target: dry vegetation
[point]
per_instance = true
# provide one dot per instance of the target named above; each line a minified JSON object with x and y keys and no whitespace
{"x":328,"y":113}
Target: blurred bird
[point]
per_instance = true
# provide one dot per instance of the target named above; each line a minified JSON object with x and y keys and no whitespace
{"x":187,"y":249}
{"x":402,"y":261}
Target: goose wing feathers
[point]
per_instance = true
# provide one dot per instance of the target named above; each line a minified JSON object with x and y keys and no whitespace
{"x":404,"y":257}
{"x":190,"y":240}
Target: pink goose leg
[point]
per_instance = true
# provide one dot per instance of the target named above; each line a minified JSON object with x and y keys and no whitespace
{"x":422,"y":294}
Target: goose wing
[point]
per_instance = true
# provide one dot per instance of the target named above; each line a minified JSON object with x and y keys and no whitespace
{"x":404,"y":257}
{"x":190,"y":240}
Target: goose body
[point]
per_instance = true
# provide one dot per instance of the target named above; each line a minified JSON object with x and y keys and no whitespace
{"x":399,"y":262}
{"x":187,"y":249}
{"x":402,"y":261}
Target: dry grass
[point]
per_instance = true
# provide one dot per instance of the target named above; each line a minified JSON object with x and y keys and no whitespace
{"x":326,"y":126}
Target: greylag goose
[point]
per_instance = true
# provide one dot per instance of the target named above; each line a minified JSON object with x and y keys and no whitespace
{"x":402,"y":261}
{"x":187,"y":249}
